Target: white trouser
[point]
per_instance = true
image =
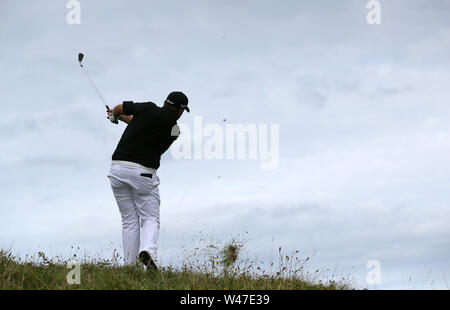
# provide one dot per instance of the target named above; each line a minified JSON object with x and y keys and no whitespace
{"x":137,"y":196}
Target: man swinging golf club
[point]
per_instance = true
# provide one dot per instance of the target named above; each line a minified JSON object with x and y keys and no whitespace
{"x":134,"y":181}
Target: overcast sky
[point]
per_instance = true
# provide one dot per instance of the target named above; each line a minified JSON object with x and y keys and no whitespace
{"x":363,"y":112}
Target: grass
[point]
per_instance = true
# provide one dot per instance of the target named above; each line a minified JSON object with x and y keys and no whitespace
{"x":221,"y":271}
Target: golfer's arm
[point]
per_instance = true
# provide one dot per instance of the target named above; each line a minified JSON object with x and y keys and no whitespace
{"x":118,"y":111}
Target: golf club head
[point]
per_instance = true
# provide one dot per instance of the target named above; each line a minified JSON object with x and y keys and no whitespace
{"x":80,"y":58}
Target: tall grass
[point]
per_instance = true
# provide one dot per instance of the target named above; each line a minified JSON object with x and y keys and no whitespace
{"x":219,"y":267}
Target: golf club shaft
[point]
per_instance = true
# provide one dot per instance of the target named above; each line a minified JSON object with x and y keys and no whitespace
{"x":93,"y":85}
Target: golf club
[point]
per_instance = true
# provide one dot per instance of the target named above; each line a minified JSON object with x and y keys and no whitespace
{"x":80,"y":60}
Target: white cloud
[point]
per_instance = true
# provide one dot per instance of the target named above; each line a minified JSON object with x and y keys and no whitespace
{"x":362,"y":110}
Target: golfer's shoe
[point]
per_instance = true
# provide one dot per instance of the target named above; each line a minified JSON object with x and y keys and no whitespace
{"x":147,"y":260}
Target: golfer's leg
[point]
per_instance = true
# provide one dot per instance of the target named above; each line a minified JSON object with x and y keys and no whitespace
{"x":130,"y":231}
{"x":130,"y":219}
{"x":147,"y":204}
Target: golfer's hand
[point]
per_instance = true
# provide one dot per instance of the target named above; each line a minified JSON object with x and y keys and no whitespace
{"x":111,"y":117}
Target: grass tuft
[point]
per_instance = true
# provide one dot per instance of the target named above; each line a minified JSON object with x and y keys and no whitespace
{"x":229,"y":254}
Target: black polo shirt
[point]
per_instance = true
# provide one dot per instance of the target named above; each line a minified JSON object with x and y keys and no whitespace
{"x":148,"y":135}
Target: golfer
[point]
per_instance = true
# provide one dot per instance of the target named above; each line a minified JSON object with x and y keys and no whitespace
{"x":134,"y":181}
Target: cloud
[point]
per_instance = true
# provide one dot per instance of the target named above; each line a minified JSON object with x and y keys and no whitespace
{"x":364,"y":135}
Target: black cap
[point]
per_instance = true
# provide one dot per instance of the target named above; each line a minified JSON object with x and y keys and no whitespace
{"x":178,"y":99}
